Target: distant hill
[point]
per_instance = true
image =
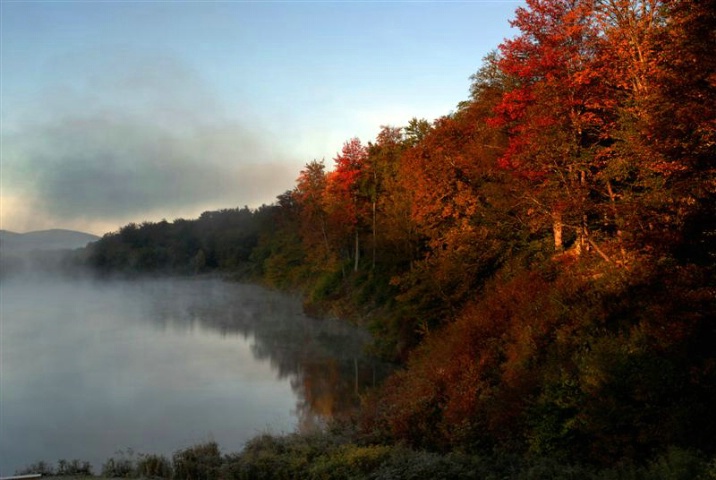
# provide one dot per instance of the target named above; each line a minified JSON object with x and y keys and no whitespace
{"x":44,"y":240}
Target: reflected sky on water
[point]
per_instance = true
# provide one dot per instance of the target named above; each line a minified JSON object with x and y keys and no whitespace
{"x":88,"y":369}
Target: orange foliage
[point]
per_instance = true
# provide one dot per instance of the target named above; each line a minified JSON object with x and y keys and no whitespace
{"x":474,"y":379}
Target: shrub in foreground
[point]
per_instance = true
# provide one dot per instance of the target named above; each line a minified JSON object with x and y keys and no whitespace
{"x":326,"y":456}
{"x":200,"y":462}
{"x":154,"y":466}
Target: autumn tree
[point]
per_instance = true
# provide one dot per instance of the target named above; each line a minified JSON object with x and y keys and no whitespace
{"x":656,"y":64}
{"x":628,"y":166}
{"x":455,"y":193}
{"x":281,"y":255}
{"x":681,"y":126}
{"x":554,"y":112}
{"x":389,"y":209}
{"x":309,"y":193}
{"x":345,"y":203}
{"x":684,"y":117}
{"x":416,"y":130}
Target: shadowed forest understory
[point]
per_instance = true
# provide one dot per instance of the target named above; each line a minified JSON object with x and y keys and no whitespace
{"x":539,"y":262}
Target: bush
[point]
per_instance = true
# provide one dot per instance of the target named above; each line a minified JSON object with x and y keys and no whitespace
{"x":73,"y":468}
{"x":710,"y":470}
{"x":122,"y":467}
{"x":349,"y":462}
{"x":677,"y":464}
{"x":200,"y":462}
{"x":154,"y":466}
{"x":268,"y":457}
{"x":406,"y":464}
{"x":555,"y":469}
{"x":325,"y":286}
{"x":265,"y":457}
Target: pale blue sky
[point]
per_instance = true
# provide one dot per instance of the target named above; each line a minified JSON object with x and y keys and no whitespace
{"x":138,"y":110}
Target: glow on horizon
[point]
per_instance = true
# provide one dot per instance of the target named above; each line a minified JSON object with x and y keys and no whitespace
{"x":130,"y":111}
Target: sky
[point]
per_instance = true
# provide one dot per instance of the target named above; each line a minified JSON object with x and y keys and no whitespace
{"x":129,"y":111}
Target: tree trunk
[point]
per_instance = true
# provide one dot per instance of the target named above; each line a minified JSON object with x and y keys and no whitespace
{"x":325,"y":239}
{"x":357,"y":253}
{"x":583,"y":243}
{"x":557,"y":228}
{"x":616,"y":220}
{"x":374,"y":235}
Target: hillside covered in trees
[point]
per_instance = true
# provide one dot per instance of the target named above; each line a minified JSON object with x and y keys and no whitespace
{"x":541,"y":261}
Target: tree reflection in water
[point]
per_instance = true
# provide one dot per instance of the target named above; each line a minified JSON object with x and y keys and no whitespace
{"x":324,"y":359}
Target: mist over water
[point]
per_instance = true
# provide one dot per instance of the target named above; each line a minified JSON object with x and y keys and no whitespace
{"x":91,"y":368}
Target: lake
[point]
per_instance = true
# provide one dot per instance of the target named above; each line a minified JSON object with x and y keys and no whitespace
{"x":89,"y":369}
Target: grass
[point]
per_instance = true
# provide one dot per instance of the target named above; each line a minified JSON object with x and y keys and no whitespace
{"x":330,"y":456}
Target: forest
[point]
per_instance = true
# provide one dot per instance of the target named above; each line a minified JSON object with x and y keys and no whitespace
{"x":539,"y":263}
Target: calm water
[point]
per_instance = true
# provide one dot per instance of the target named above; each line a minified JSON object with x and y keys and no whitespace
{"x":89,"y":369}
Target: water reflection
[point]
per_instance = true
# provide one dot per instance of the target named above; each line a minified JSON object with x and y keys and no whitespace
{"x":324,"y":359}
{"x":88,"y":369}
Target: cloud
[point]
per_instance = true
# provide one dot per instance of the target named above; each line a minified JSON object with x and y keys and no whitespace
{"x":143,"y":138}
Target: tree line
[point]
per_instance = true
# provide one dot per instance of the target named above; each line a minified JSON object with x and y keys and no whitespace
{"x":540,"y":260}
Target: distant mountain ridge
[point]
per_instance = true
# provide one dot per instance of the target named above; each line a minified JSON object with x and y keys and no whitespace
{"x":53,"y":239}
